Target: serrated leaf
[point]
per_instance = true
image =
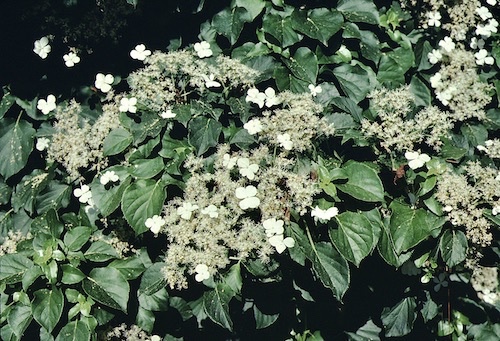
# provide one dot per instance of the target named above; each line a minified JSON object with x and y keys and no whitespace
{"x":263,"y":320}
{"x":331,"y":268}
{"x":13,"y":266}
{"x":229,"y":22}
{"x":409,"y":226}
{"x":75,"y":238}
{"x":363,"y":182}
{"x":107,"y":286}
{"x":387,"y":249}
{"x":16,"y":143}
{"x":142,"y":200}
{"x":216,"y":305}
{"x":47,"y":307}
{"x":152,"y":280}
{"x":147,"y":168}
{"x":157,"y":301}
{"x":355,"y":81}
{"x":204,"y":133}
{"x":318,"y":23}
{"x":19,"y":319}
{"x":359,"y":11}
{"x":74,"y":331}
{"x":280,"y":28}
{"x":100,"y":251}
{"x":453,"y":246}
{"x":353,"y":238}
{"x":303,"y":65}
{"x":368,"y":332}
{"x":117,"y":141}
{"x":28,"y":189}
{"x":54,"y":196}
{"x":131,"y":267}
{"x":398,"y":320}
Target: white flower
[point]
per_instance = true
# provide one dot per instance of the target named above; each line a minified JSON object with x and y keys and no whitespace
{"x":280,"y":243}
{"x":495,"y":210}
{"x":482,"y":148}
{"x":103,"y":82}
{"x":448,"y":208}
{"x":491,"y":2}
{"x":434,"y":56}
{"x":435,"y":80}
{"x":128,"y":105}
{"x":483,"y":12}
{"x":273,"y":226}
{"x":327,"y":214}
{"x":447,"y":44}
{"x":155,"y":338}
{"x":210,"y":82}
{"x":248,"y":197}
{"x":434,"y":19}
{"x":271,"y":98}
{"x":42,"y":143}
{"x":109,"y":176}
{"x":203,"y":49}
{"x":446,"y":95}
{"x":186,"y":210}
{"x":90,"y":209}
{"x":83,"y":194}
{"x":154,"y":223}
{"x":46,"y":105}
{"x":228,"y":161}
{"x":140,"y":52}
{"x":416,"y":160}
{"x":488,"y":29}
{"x":476,"y":43}
{"x":42,"y":47}
{"x":253,"y":126}
{"x":246,"y":169}
{"x":211,"y":211}
{"x":490,"y":297}
{"x":167,"y":114}
{"x":314,"y":89}
{"x":201,"y":272}
{"x":255,"y":96}
{"x":483,"y":58}
{"x":284,"y":141}
{"x":71,"y":59}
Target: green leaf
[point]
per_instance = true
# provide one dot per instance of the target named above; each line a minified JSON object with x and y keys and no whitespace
{"x":182,"y":307}
{"x":303,"y":65}
{"x":54,"y":196}
{"x":117,"y":141}
{"x":216,"y":305}
{"x":108,"y":286}
{"x":30,"y":276}
{"x":19,"y":319}
{"x":331,"y":268}
{"x":409,"y":226}
{"x":393,"y":66}
{"x":147,"y":168}
{"x":420,"y":91}
{"x":318,"y":23}
{"x":5,"y":192}
{"x":13,"y":266}
{"x":355,"y":81}
{"x":263,"y":320}
{"x":286,"y":81}
{"x":71,"y":274}
{"x":387,"y":249}
{"x":229,"y":22}
{"x":142,"y":200}
{"x":430,"y":309}
{"x":157,"y":301}
{"x":100,"y":251}
{"x":47,"y":307}
{"x":28,"y":189}
{"x":280,"y":28}
{"x":354,"y":238}
{"x":145,"y":319}
{"x":253,"y":7}
{"x":152,"y":280}
{"x":131,"y":267}
{"x":363,"y":182}
{"x":359,"y":11}
{"x":398,"y":320}
{"x":368,"y":332}
{"x":16,"y":143}
{"x":453,"y":246}
{"x":7,"y":101}
{"x":74,"y":331}
{"x":75,"y":238}
{"x":204,"y":133}
{"x":107,"y":199}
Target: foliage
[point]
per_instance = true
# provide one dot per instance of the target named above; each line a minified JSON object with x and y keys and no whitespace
{"x":294,"y":159}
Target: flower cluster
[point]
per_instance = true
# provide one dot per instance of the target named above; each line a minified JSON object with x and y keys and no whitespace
{"x":485,"y":281}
